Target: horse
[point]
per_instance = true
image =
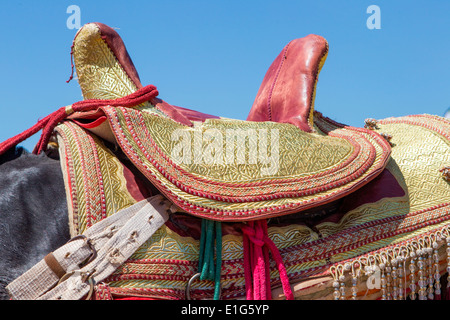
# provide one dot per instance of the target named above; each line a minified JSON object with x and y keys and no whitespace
{"x":33,"y":212}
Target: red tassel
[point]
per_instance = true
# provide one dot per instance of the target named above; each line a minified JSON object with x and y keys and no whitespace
{"x":256,"y":262}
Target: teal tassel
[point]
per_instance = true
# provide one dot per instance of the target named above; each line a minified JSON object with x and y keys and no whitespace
{"x":211,"y":232}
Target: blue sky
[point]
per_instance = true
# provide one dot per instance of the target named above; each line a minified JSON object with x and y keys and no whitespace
{"x":211,"y":56}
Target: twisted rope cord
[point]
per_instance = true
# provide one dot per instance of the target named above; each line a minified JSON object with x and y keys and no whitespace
{"x":48,"y":124}
{"x":211,"y":232}
{"x":257,"y":245}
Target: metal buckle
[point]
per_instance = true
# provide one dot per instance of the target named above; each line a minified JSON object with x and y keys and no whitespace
{"x":187,"y":292}
{"x":85,"y":277}
{"x":91,"y":246}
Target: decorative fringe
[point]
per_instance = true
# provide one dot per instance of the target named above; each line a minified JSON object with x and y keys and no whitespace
{"x":446,"y":173}
{"x":400,"y":272}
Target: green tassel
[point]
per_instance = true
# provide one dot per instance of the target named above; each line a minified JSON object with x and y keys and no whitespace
{"x":218,"y":260}
{"x":211,"y":232}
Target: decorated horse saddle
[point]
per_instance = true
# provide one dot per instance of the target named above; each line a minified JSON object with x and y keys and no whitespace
{"x":287,"y":204}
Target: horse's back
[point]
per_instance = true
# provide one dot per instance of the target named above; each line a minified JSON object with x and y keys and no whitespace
{"x":33,"y":212}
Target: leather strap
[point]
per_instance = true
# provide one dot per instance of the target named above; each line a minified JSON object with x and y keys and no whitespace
{"x":114,"y":240}
{"x":54,"y":265}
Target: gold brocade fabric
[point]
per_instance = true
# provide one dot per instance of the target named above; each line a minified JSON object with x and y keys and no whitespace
{"x":231,"y":170}
{"x":385,"y":228}
{"x":94,"y":177}
{"x":270,"y":169}
{"x":226,"y":169}
{"x":99,"y":74}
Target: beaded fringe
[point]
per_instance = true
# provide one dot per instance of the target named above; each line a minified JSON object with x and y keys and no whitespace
{"x":408,"y":271}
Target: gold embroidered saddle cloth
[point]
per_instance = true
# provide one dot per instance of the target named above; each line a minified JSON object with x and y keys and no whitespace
{"x":340,"y":201}
{"x":404,"y":209}
{"x":232,"y":170}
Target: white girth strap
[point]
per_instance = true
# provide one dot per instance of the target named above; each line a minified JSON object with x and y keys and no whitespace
{"x":99,"y":251}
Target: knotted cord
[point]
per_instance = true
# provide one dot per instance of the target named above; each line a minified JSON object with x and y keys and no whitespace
{"x":257,"y":245}
{"x":71,"y":63}
{"x":48,"y":124}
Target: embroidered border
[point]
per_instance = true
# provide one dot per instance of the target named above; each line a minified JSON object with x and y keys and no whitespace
{"x":149,"y":158}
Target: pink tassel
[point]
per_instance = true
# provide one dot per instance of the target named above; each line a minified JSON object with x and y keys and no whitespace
{"x":256,"y":262}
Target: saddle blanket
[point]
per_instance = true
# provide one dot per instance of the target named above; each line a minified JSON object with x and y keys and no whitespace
{"x":387,"y":239}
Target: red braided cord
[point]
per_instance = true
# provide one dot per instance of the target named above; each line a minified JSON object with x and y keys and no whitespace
{"x":281,"y":268}
{"x":256,"y":262}
{"x":48,"y":124}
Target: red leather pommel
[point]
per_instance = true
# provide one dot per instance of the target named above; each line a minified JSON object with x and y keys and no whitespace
{"x":288,"y":88}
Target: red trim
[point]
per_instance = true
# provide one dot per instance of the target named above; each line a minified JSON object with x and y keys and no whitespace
{"x":117,"y":46}
{"x":411,"y":119}
{"x":91,"y":125}
{"x":307,"y":191}
{"x":222,"y":214}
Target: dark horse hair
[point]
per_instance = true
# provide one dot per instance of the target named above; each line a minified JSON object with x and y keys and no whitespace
{"x":33,"y":212}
